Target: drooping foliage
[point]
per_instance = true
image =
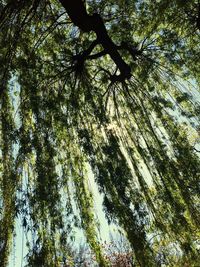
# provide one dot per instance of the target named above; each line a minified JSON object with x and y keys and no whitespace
{"x":66,"y":116}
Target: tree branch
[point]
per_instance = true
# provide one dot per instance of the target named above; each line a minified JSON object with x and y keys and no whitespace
{"x":78,"y":14}
{"x":97,"y":55}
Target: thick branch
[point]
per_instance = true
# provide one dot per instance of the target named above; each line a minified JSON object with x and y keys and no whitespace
{"x":133,"y":51}
{"x":78,"y":14}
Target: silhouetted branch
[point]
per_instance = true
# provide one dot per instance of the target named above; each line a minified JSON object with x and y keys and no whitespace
{"x":78,"y":14}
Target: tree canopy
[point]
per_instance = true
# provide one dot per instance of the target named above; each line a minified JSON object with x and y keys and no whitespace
{"x":108,"y":88}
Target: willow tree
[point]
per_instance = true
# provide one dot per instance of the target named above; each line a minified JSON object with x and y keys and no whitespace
{"x":108,"y":88}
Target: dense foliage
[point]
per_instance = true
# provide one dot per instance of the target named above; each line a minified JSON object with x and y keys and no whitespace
{"x":65,"y":115}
